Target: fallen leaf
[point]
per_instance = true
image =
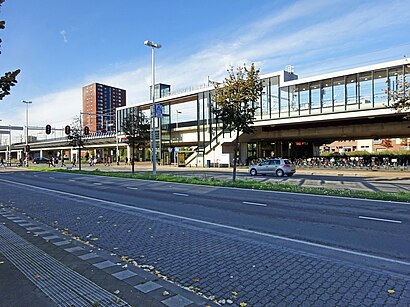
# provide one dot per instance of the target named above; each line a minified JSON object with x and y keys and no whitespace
{"x":117,"y":292}
{"x":36,"y":276}
{"x":391,"y":291}
{"x":165,"y":293}
{"x":243,"y":304}
{"x":1,"y":262}
{"x":234,"y":293}
{"x":196,"y":279}
{"x":78,"y":218}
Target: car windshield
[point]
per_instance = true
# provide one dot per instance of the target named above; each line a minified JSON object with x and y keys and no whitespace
{"x":287,"y":162}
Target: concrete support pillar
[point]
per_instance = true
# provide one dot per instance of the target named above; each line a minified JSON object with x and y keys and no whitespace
{"x":243,"y":152}
{"x":41,"y":153}
{"x":128,"y":152}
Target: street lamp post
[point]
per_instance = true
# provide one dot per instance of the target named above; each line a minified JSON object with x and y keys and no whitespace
{"x":154,"y":110}
{"x":27,"y":103}
{"x":178,"y":112}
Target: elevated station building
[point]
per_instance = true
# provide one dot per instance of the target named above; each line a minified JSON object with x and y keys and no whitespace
{"x":294,"y":116}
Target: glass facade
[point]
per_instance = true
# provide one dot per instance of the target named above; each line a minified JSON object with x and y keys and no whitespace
{"x":364,"y":90}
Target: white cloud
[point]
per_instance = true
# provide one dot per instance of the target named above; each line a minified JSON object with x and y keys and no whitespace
{"x":64,"y":35}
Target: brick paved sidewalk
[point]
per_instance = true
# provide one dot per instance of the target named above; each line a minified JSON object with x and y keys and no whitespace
{"x":39,"y":267}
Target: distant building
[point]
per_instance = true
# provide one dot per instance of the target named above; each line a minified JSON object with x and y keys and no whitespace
{"x":99,"y":104}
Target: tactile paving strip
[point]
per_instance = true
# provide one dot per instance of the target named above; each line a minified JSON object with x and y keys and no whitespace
{"x":63,"y":285}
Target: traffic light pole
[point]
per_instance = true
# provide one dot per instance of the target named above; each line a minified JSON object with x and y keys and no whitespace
{"x":79,"y":143}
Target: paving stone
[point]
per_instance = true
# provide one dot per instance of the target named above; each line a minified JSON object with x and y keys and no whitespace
{"x":88,"y":256}
{"x":74,"y":249}
{"x":34,"y":228}
{"x":124,"y":274}
{"x":51,"y":237}
{"x":40,"y":233}
{"x":61,"y":243}
{"x":104,"y":264}
{"x":177,"y":301}
{"x":148,"y":286}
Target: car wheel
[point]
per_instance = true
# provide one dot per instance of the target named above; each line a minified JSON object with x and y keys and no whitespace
{"x":280,"y":173}
{"x":289,"y":175}
{"x":253,"y":172}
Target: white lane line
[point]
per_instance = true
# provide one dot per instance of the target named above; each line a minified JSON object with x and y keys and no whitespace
{"x":131,"y":188}
{"x":71,"y":180}
{"x":51,"y":177}
{"x":180,"y":194}
{"x":97,"y":183}
{"x":328,"y":247}
{"x":254,"y":204}
{"x":379,"y":219}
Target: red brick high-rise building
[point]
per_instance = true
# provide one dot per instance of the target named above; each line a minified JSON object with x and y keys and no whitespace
{"x":99,"y":104}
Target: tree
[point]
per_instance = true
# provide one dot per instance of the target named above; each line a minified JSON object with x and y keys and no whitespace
{"x":234,"y":103}
{"x":136,"y":127}
{"x":75,"y":138}
{"x":401,"y":96}
{"x":9,"y":78}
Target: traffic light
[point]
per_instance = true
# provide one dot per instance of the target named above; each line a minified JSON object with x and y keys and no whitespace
{"x":86,"y":130}
{"x":48,"y":129}
{"x":27,"y":148}
{"x":67,"y":129}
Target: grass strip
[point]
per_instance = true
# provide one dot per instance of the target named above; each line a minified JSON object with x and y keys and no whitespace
{"x":246,"y":184}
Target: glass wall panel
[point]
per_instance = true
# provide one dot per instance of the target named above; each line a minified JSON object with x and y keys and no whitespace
{"x":284,"y":102}
{"x":380,"y":88}
{"x":274,"y":97}
{"x":395,"y":77}
{"x":294,"y":100}
{"x":187,"y":113}
{"x":339,"y":94}
{"x":304,"y":99}
{"x":326,"y":96}
{"x":407,"y":78}
{"x":351,"y":92}
{"x":258,"y":105}
{"x":265,"y":99}
{"x":315,"y":98}
{"x":365,"y":90}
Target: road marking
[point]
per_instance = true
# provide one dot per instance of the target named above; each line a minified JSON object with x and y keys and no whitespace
{"x":254,"y":204}
{"x":132,"y":188}
{"x":51,"y":177}
{"x":71,"y":180}
{"x":379,"y":219}
{"x":97,"y":183}
{"x":180,"y":194}
{"x":108,"y":202}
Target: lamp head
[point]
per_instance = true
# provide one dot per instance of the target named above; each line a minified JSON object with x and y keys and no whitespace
{"x":152,"y":44}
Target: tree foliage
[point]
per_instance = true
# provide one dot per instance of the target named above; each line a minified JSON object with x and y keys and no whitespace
{"x":234,"y":103}
{"x":401,"y":96}
{"x":76,"y":134}
{"x":136,"y":128}
{"x":9,"y":78}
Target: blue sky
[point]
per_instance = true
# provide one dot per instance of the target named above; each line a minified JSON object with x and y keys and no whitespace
{"x":63,"y":45}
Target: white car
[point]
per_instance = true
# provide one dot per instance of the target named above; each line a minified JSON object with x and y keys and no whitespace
{"x":279,"y":167}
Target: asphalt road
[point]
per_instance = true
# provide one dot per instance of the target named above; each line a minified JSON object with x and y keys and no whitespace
{"x":190,"y":231}
{"x":355,"y":179}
